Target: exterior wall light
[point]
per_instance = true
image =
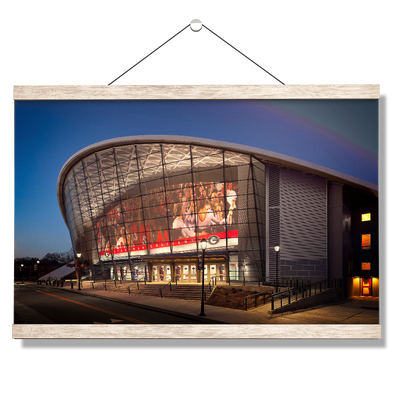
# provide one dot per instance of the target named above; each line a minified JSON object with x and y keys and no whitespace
{"x":276,"y":277}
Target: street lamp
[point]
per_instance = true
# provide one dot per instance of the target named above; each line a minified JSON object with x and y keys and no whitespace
{"x":79,"y":270}
{"x":22,"y":273}
{"x":36,"y":269}
{"x":203,"y":245}
{"x":276,"y":276}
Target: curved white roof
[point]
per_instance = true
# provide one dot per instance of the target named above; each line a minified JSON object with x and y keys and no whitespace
{"x":263,"y":155}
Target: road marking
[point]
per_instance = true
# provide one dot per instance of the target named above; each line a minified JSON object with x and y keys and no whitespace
{"x":136,"y":321}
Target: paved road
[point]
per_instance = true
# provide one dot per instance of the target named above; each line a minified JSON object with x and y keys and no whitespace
{"x":35,"y":304}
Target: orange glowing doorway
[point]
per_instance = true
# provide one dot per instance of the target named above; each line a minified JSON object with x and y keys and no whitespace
{"x":366,"y":287}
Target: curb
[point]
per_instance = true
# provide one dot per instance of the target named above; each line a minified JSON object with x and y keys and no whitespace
{"x":147,"y":307}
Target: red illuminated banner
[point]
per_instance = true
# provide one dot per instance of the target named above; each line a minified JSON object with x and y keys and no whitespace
{"x":212,"y":239}
{"x":169,"y":219}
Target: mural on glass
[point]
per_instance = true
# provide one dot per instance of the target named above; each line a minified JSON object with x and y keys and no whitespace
{"x":135,"y":200}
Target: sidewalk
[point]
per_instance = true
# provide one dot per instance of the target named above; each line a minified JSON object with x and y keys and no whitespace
{"x":187,"y":307}
{"x":358,"y":310}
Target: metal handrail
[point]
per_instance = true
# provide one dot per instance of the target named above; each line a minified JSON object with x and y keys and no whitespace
{"x":255,"y":295}
{"x":240,"y":279}
{"x":307,"y":287}
{"x":211,"y":287}
{"x":306,"y":290}
{"x":170,"y":287}
{"x":136,"y":283}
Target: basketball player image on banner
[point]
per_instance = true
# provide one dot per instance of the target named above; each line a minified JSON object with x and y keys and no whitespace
{"x":173,"y":213}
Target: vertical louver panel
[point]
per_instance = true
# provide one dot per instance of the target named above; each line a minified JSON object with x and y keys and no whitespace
{"x":274,"y":187}
{"x":303,"y":216}
{"x":274,"y":227}
{"x":274,"y":218}
{"x":298,"y":224}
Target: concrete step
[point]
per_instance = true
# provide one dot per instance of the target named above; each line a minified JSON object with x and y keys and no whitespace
{"x":189,"y":292}
{"x":179,"y":291}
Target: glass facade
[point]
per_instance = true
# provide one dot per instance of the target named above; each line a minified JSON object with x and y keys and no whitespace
{"x":137,"y":200}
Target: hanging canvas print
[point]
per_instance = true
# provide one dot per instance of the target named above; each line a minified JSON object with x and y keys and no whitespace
{"x":281,"y":181}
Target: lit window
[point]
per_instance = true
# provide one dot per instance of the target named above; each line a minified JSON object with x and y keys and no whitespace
{"x":366,"y":266}
{"x":366,"y":241}
{"x":366,"y":217}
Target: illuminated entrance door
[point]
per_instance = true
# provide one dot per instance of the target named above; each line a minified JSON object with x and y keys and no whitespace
{"x":366,"y":287}
{"x":210,"y":272}
{"x":168,"y":272}
{"x":221,"y":273}
{"x":215,"y":272}
{"x":140,"y":272}
{"x":186,"y":273}
{"x":162,"y":273}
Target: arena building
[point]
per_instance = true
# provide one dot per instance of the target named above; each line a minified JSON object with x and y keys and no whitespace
{"x":137,"y":208}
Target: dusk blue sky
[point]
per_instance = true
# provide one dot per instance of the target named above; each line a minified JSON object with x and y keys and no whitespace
{"x":338,"y":134}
